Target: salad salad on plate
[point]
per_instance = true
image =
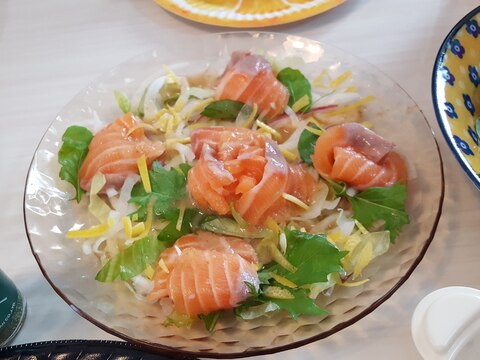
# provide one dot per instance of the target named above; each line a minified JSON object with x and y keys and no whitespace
{"x":255,"y":191}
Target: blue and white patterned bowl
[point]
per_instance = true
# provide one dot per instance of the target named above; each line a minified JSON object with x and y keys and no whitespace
{"x":456,"y":92}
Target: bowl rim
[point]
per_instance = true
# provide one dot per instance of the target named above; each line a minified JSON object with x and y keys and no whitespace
{"x":442,"y":121}
{"x":187,"y":354}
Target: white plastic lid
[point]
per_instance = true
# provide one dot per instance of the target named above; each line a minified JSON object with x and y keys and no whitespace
{"x":446,"y":324}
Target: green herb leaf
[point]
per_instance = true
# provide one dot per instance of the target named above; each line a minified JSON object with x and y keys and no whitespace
{"x":122,"y":101}
{"x":131,"y":261}
{"x":169,"y":234}
{"x":228,"y":226}
{"x":301,"y":305}
{"x":313,"y":256}
{"x":168,"y":186}
{"x":297,"y":85}
{"x":385,"y":203}
{"x":210,"y":320}
{"x":71,"y":155}
{"x":306,"y":145}
{"x":223,"y":109}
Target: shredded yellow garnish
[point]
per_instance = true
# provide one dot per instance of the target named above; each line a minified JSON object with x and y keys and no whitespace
{"x":177,"y":140}
{"x":276,"y":292}
{"x":290,"y":156}
{"x":295,"y":201}
{"x":334,"y":83}
{"x":319,"y":80}
{"x":238,"y":217}
{"x":163,"y":266}
{"x":143,"y":170}
{"x":282,"y":280}
{"x":135,"y":217}
{"x":301,"y":103}
{"x":314,"y":131}
{"x":268,"y":129}
{"x":149,"y":272}
{"x":181,"y":214}
{"x":352,"y":284}
{"x":138,"y":228}
{"x":147,"y":224}
{"x":199,"y":125}
{"x":360,"y":227}
{"x":312,"y":120}
{"x":248,"y":123}
{"x":94,"y":231}
{"x":127,"y":225}
{"x":350,"y":107}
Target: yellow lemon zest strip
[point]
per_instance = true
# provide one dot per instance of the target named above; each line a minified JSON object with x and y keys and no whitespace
{"x":295,"y":201}
{"x":268,"y":129}
{"x":352,"y":284}
{"x":127,"y":225}
{"x":199,"y":125}
{"x":143,"y":170}
{"x":301,"y":103}
{"x":315,"y":122}
{"x":313,"y":130}
{"x":94,"y":231}
{"x":360,"y":227}
{"x":149,"y":272}
{"x":141,"y":126}
{"x":319,"y":80}
{"x":177,"y":140}
{"x":138,"y":229}
{"x":350,"y":107}
{"x":364,"y":258}
{"x":147,"y":224}
{"x":334,"y":83}
{"x":367,"y":124}
{"x":351,"y":89}
{"x":282,"y":280}
{"x":290,"y":156}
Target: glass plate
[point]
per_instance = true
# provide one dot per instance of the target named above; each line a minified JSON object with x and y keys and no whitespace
{"x":49,"y":212}
{"x":247,"y":13}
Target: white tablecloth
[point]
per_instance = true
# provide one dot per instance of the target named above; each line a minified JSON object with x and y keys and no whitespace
{"x":51,"y":49}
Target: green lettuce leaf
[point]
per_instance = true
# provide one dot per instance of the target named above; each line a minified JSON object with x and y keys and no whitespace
{"x":223,"y":109}
{"x":297,"y":85}
{"x":301,"y":305}
{"x":131,"y":261}
{"x":71,"y":155}
{"x":313,"y":256}
{"x":381,"y":203}
{"x":228,"y":226}
{"x":168,"y":186}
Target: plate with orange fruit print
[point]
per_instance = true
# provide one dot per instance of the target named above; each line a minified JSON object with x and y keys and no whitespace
{"x":247,"y":13}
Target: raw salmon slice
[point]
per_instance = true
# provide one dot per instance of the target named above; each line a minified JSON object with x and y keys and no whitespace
{"x":354,"y":154}
{"x":114,"y":152}
{"x":249,"y":78}
{"x":203,"y":281}
{"x":238,"y":166}
{"x":204,"y":242}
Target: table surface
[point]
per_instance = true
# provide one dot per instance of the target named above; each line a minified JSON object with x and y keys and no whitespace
{"x":49,"y":50}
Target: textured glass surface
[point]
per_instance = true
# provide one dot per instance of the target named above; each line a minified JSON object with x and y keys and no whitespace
{"x":49,"y":212}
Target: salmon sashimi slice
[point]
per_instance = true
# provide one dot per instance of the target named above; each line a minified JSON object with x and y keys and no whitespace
{"x":238,"y":166}
{"x":250,"y":79}
{"x":203,"y":281}
{"x":354,"y":154}
{"x":204,"y":241}
{"x":114,"y":152}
